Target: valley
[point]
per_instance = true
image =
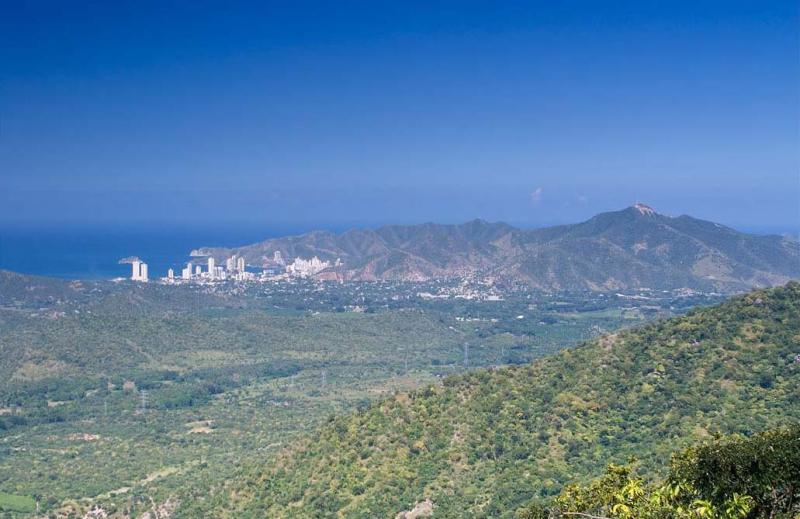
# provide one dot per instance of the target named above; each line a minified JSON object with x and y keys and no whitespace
{"x":399,"y":260}
{"x":115,"y":393}
{"x":129,"y":395}
{"x":491,"y":442}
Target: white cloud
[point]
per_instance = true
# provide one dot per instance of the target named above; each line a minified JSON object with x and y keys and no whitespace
{"x":536,"y":195}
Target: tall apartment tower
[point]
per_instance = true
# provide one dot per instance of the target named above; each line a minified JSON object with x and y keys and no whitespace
{"x":240,"y":264}
{"x":143,"y":276}
{"x":212,"y":273}
{"x":136,"y":271}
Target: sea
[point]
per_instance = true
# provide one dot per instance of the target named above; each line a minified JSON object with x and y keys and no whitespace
{"x":74,"y":252}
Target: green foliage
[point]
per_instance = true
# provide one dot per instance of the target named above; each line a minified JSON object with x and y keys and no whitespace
{"x":621,"y":494}
{"x":229,"y":375}
{"x":765,"y":467}
{"x":485,"y":443}
{"x":233,"y":375}
{"x":732,"y":478}
{"x":15,"y":503}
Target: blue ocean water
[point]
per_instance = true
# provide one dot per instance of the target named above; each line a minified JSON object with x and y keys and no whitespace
{"x":94,"y":252}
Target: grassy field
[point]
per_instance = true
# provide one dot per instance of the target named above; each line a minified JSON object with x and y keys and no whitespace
{"x":14,"y":503}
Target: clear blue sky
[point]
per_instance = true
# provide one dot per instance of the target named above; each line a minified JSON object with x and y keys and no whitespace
{"x":334,"y":112}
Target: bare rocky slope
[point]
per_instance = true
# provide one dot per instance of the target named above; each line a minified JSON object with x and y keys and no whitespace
{"x":628,"y":249}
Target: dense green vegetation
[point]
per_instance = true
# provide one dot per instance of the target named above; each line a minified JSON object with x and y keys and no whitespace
{"x":115,"y":393}
{"x":492,"y":441}
{"x":730,"y":478}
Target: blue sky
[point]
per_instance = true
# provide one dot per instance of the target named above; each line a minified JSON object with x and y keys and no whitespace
{"x":370,"y":112}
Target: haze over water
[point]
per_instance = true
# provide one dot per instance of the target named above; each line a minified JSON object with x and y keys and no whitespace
{"x":87,"y":252}
{"x":93,"y":252}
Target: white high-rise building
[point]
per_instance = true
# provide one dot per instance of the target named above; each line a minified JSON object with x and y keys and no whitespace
{"x":197,"y":270}
{"x":212,"y":272}
{"x":170,"y":274}
{"x":240,"y":264}
{"x":136,"y":271}
{"x":230,"y":263}
{"x":187,"y":272}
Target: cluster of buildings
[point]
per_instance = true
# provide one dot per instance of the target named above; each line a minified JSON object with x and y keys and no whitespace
{"x":234,"y":269}
{"x":305,"y":268}
{"x":471,"y":289}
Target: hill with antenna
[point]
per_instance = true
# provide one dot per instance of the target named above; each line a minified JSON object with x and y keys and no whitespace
{"x":634,"y":248}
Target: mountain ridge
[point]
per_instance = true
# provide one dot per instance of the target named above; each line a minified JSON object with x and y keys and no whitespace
{"x":632,"y":248}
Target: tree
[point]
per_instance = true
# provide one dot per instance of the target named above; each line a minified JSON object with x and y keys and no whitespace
{"x":730,"y":478}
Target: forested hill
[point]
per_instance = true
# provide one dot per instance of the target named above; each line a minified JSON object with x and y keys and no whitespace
{"x":487,"y":443}
{"x":628,"y":249}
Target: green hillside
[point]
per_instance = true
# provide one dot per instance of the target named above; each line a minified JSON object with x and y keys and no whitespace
{"x":729,"y":477}
{"x":111,"y":393}
{"x":489,"y":442}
